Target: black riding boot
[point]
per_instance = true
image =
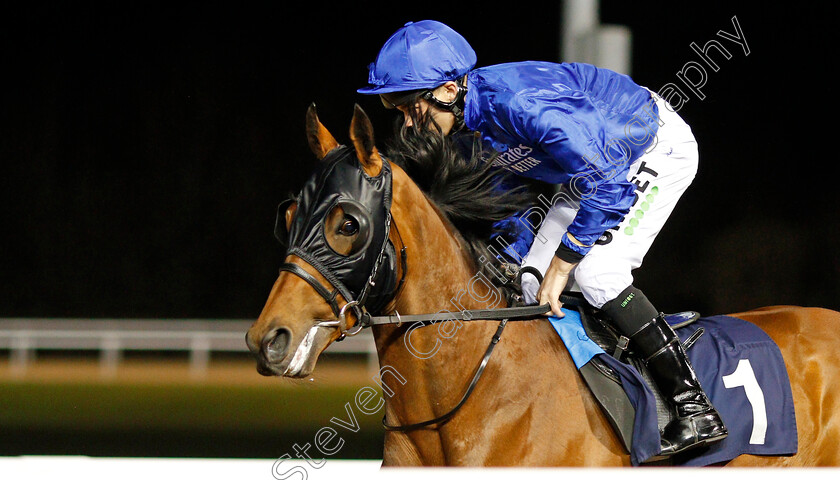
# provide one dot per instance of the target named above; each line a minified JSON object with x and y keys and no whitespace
{"x":697,"y":422}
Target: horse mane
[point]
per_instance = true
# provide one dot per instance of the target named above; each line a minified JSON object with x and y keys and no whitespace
{"x":465,"y":188}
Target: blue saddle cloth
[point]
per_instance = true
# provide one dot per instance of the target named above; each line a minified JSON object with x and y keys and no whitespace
{"x":740,"y":368}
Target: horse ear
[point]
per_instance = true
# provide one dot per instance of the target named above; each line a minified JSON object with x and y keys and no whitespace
{"x":361,"y":133}
{"x":320,"y":139}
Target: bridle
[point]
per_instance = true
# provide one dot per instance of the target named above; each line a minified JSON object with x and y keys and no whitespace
{"x":361,"y":295}
{"x":380,"y":287}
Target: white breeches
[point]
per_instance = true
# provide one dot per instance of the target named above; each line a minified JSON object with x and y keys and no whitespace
{"x":661,"y":175}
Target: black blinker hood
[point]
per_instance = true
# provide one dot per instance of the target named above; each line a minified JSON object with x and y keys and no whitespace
{"x":342,"y":180}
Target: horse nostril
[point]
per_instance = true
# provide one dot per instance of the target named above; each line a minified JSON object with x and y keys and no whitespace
{"x":252,"y":345}
{"x":276,"y":343}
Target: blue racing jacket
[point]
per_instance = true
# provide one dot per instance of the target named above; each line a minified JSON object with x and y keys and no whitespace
{"x":568,"y":123}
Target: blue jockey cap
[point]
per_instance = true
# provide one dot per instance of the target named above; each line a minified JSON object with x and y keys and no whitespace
{"x":420,"y":55}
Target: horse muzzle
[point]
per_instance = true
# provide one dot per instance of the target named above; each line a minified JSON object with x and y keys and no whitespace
{"x":280,"y":353}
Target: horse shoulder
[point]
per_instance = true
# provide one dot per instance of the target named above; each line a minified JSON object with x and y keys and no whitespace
{"x":548,"y":411}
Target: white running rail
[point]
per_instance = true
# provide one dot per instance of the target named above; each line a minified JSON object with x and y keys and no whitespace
{"x":23,"y":337}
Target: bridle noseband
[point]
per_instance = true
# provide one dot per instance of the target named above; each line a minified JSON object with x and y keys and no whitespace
{"x":331,"y":298}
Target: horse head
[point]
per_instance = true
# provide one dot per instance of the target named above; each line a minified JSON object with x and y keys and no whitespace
{"x":339,"y":260}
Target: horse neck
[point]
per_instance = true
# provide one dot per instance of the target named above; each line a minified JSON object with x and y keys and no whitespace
{"x":439,"y":276}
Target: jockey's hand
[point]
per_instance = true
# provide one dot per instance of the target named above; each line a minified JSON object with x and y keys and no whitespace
{"x":554,"y":281}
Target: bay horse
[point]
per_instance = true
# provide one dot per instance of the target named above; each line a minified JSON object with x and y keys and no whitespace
{"x":530,"y":407}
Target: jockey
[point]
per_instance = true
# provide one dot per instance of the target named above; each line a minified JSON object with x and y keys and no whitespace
{"x":621,"y":158}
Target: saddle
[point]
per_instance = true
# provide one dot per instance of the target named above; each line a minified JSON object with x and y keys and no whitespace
{"x":604,"y":382}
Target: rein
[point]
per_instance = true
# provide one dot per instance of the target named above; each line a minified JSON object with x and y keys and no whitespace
{"x":507,"y":313}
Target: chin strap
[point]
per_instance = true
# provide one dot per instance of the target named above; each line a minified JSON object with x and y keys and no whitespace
{"x":449,"y":106}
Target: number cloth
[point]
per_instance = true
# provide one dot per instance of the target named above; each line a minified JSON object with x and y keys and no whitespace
{"x":740,"y":368}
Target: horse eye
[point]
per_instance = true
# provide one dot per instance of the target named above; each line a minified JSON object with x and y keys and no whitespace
{"x":349,"y":227}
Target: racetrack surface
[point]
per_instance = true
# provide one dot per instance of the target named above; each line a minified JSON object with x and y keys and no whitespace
{"x":160,"y":408}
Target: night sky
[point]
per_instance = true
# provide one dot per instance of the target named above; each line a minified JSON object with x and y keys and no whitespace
{"x":145,"y":147}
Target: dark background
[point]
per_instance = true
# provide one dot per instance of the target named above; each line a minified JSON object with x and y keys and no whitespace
{"x":145,"y":146}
